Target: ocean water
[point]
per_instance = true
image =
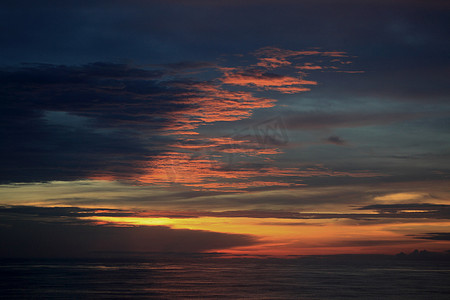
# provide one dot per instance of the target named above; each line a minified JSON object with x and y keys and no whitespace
{"x":220,"y":278}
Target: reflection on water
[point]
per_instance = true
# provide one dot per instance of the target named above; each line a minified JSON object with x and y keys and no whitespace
{"x":309,"y":278}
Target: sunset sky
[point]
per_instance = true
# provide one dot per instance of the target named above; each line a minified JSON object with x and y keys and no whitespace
{"x":248,"y":128}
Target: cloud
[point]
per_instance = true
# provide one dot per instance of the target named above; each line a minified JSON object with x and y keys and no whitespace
{"x":290,"y":224}
{"x":68,"y":122}
{"x":111,"y":101}
{"x":23,"y":235}
{"x":368,"y":243}
{"x":206,"y":172}
{"x":284,"y":54}
{"x":395,"y":208}
{"x":17,"y":211}
{"x":208,"y":103}
{"x":300,"y":215}
{"x":187,"y":65}
{"x":76,"y":215}
{"x":278,"y":69}
{"x":284,"y":214}
{"x":258,"y":78}
{"x":392,"y":198}
{"x":437,"y":236}
{"x":335,"y":140}
{"x":110,"y":121}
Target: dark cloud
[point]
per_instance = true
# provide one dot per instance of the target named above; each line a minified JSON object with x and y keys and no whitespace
{"x":28,"y":231}
{"x":69,"y":122}
{"x":443,"y":214}
{"x":290,"y":224}
{"x":57,"y":212}
{"x":335,"y":140}
{"x":411,"y":210}
{"x":394,"y":208}
{"x":27,"y":239}
{"x":188,"y":65}
{"x":438,"y":236}
{"x":115,"y":95}
{"x":369,"y":243}
{"x":437,"y":212}
{"x":36,"y":151}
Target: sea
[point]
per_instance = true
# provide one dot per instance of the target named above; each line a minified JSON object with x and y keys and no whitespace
{"x":345,"y":277}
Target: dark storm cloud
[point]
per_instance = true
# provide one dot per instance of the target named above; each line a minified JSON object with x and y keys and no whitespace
{"x":114,"y":94}
{"x":27,"y":239}
{"x":36,"y":151}
{"x":70,"y":122}
{"x":29,"y":231}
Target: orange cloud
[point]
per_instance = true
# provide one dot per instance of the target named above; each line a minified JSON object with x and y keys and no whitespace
{"x":309,"y":66}
{"x":209,"y":170}
{"x":270,"y":58}
{"x":272,"y":62}
{"x":213,"y":104}
{"x":269,"y":81}
{"x":261,"y":79}
{"x":290,"y":89}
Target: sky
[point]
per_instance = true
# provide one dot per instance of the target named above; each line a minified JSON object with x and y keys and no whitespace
{"x":245,"y":128}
